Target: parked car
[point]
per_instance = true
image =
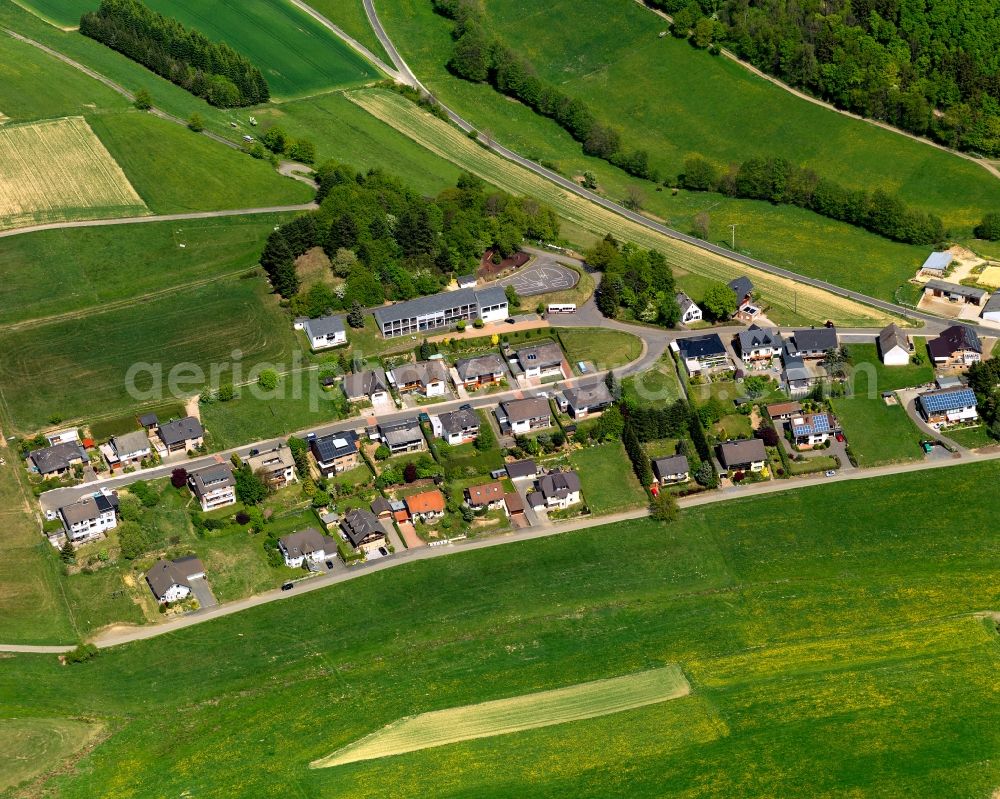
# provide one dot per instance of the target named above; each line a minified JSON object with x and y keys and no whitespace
{"x":840,"y":437}
{"x":383,"y":551}
{"x":287,"y":586}
{"x":831,"y":473}
{"x":329,"y":564}
{"x":510,"y":320}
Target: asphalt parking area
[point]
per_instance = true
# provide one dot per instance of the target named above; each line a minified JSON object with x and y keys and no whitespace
{"x":541,"y":277}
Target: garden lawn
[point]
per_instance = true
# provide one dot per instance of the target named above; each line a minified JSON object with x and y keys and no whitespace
{"x":971,"y":437}
{"x":297,"y":54}
{"x":98,"y":267}
{"x":606,"y":477}
{"x":176,"y":171}
{"x":297,"y":403}
{"x":868,"y":365}
{"x":877,"y":433}
{"x":805,"y":632}
{"x":60,"y":373}
{"x":605,"y":349}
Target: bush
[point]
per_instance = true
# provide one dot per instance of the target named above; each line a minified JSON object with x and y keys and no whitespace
{"x":143,"y":100}
{"x":178,"y":477}
{"x":82,"y":654}
{"x":382,"y":452}
{"x":196,"y":123}
{"x":268,"y":379}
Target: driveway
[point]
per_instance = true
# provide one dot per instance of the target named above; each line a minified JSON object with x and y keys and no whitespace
{"x":203,"y":593}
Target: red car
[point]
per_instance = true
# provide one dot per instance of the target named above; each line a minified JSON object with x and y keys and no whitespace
{"x":840,"y":437}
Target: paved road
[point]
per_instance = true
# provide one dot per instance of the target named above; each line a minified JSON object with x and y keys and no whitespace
{"x":138,"y":220}
{"x":350,"y":40}
{"x":120,"y":635}
{"x":570,"y":185}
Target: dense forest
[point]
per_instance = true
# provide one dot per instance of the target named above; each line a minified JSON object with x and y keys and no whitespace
{"x":638,"y":281}
{"x":212,"y":70}
{"x":387,"y":242}
{"x":479,"y":55}
{"x":931,"y":67}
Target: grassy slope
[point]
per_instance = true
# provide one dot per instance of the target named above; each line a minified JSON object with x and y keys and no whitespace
{"x":29,"y":747}
{"x":789,"y":237}
{"x":98,"y":265}
{"x":297,"y":55}
{"x":58,"y":371}
{"x":799,"y":662}
{"x":350,"y":16}
{"x":161,"y":159}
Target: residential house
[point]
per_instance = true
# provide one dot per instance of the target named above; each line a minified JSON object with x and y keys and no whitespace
{"x":57,"y":459}
{"x":522,"y":416}
{"x":170,"y":580}
{"x":522,"y":470}
{"x":812,"y":344}
{"x":948,"y":406}
{"x":325,"y":332}
{"x":427,"y":506}
{"x":89,"y":518}
{"x":742,"y":456}
{"x":799,"y":379}
{"x":466,"y":281}
{"x":335,"y":453}
{"x":425,"y":314}
{"x":894,"y":346}
{"x":587,"y":400}
{"x":276,"y":466}
{"x":784,"y":411}
{"x":757,"y":344}
{"x":937,"y":263}
{"x":68,"y":436}
{"x":701,"y":353}
{"x":955,"y":292}
{"x":812,"y":429}
{"x":541,"y":360}
{"x":381,"y":507}
{"x":181,"y":435}
{"x":307,"y":548}
{"x":556,"y":490}
{"x":674,"y":469}
{"x":148,"y":421}
{"x":959,"y":345}
{"x":402,"y":436}
{"x":745,"y":307}
{"x":458,"y":427}
{"x":127,"y":450}
{"x":488,"y":495}
{"x":483,"y":370}
{"x":214,"y":486}
{"x":370,"y":384}
{"x":362,"y":530}
{"x":514,"y":507}
{"x":429,"y":378}
{"x":690,"y":312}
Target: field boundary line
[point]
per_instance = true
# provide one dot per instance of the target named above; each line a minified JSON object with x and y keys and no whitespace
{"x":117,"y":305}
{"x":802,"y":95}
{"x":349,"y":40}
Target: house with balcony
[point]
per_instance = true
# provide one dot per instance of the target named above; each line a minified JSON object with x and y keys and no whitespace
{"x":335,"y":453}
{"x":276,"y":466}
{"x":429,"y":378}
{"x":948,"y":406}
{"x":89,"y":518}
{"x":523,"y":416}
{"x":213,"y":486}
{"x":483,"y":370}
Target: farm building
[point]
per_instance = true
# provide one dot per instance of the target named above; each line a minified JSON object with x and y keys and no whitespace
{"x":954,"y":292}
{"x":991,"y":311}
{"x":937,"y":263}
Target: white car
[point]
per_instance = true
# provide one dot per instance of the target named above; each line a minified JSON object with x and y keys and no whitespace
{"x":831,"y":473}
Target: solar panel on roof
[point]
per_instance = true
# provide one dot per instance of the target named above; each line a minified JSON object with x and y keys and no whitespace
{"x":339,"y":442}
{"x":949,"y":401}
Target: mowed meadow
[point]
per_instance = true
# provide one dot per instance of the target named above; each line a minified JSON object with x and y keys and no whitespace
{"x":831,"y":645}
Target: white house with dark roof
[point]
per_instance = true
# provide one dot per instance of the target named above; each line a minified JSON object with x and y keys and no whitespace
{"x":180,"y":435}
{"x":457,"y":427}
{"x":958,"y":345}
{"x":335,"y":453}
{"x":524,"y":415}
{"x":690,"y":312}
{"x":306,"y":547}
{"x":757,"y":344}
{"x":894,"y":346}
{"x":170,"y":580}
{"x":541,"y":360}
{"x":57,"y":459}
{"x":701,"y":353}
{"x":325,"y":332}
{"x":362,"y":530}
{"x":127,"y":450}
{"x":948,"y":406}
{"x":89,"y":518}
{"x":429,"y":378}
{"x":673,"y":469}
{"x":748,"y":455}
{"x":213,"y":486}
{"x":813,"y":343}
{"x":402,"y":436}
{"x":991,"y":311}
{"x":587,"y":400}
{"x":556,"y":490}
{"x":370,"y":384}
{"x":483,"y":370}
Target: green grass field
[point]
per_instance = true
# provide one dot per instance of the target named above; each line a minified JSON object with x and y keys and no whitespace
{"x":297,"y":403}
{"x":29,"y":747}
{"x":606,"y":477}
{"x":350,"y":16}
{"x":516,"y":714}
{"x":655,"y":386}
{"x":99,"y":266}
{"x":860,"y":673}
{"x":297,"y":55}
{"x":59,"y":373}
{"x":605,"y":349}
{"x":161,"y":159}
{"x":63,"y":13}
{"x":878,"y":434}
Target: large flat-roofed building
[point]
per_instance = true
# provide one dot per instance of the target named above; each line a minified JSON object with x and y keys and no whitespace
{"x":441,"y":310}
